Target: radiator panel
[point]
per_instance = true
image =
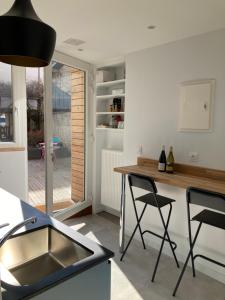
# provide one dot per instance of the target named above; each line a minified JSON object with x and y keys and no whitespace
{"x":110,"y":180}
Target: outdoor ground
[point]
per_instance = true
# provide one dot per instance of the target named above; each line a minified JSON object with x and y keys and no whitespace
{"x":61,"y":181}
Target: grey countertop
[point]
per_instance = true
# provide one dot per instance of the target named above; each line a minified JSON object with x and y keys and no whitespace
{"x":13,"y":211}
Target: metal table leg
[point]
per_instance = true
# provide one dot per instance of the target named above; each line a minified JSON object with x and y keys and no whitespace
{"x":122,"y":213}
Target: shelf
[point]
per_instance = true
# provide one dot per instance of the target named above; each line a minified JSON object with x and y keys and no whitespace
{"x":110,"y":113}
{"x":110,"y":129}
{"x":109,"y":96}
{"x":110,"y":83}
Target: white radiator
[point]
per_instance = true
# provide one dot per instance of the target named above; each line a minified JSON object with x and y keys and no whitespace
{"x":111,"y":181}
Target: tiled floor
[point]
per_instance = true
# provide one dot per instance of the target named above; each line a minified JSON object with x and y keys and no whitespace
{"x":131,"y":278}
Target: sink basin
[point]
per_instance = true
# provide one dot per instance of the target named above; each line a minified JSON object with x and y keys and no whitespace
{"x":30,"y":257}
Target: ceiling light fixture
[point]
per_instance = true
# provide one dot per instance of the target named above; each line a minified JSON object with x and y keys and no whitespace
{"x":25,"y":40}
{"x":151,"y":27}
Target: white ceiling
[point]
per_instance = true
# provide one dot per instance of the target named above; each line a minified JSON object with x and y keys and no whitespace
{"x":113,"y":28}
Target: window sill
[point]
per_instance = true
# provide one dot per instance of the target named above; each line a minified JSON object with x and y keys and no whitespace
{"x":10,"y":147}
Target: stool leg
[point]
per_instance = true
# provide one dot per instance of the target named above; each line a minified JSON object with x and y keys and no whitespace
{"x":136,"y":214}
{"x":168,"y":237}
{"x":187,"y":259}
{"x":136,"y":227}
{"x":190,"y":239}
{"x":139,"y":226}
{"x":162,"y":244}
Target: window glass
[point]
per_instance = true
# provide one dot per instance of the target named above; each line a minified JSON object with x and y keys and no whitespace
{"x":35,"y":137}
{"x":6,"y":104}
{"x":35,"y":110}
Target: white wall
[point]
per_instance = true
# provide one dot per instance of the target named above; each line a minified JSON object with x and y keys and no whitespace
{"x":13,"y":165}
{"x":153,"y":78}
{"x":13,"y":173}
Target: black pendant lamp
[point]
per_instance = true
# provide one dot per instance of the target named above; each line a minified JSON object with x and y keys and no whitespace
{"x":24,"y":39}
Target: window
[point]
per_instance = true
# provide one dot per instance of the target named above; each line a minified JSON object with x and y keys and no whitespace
{"x":35,"y":109}
{"x":6,"y":104}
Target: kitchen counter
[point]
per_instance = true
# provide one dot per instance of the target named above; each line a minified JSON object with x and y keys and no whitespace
{"x":183,"y":177}
{"x":14,"y":211}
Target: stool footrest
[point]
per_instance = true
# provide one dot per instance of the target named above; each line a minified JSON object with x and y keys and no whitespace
{"x":209,"y":259}
{"x":161,"y":237}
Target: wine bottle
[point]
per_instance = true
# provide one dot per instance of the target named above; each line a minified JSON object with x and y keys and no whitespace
{"x":162,"y":161}
{"x":170,"y":161}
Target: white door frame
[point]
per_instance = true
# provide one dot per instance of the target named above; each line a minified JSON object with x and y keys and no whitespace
{"x":89,"y":93}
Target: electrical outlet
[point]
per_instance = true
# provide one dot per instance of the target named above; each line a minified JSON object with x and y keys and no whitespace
{"x":193,"y":156}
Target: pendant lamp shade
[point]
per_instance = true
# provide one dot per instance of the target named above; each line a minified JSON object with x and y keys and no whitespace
{"x":25,"y":40}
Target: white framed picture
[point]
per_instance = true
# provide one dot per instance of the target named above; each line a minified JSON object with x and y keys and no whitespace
{"x":196,"y":106}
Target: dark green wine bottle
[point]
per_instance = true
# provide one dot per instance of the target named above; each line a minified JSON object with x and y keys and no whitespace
{"x":162,"y":161}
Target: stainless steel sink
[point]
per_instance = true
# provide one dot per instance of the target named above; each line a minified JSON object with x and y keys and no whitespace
{"x":30,"y":257}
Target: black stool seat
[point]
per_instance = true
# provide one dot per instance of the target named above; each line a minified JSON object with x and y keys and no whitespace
{"x":210,"y":217}
{"x":150,"y":199}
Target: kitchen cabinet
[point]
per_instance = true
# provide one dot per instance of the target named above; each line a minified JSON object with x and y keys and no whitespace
{"x":93,"y":284}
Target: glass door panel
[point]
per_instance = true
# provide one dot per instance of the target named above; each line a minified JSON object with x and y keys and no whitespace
{"x":68,"y":136}
{"x":35,"y":138}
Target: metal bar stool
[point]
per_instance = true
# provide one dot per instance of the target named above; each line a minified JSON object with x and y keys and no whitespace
{"x":153,"y":199}
{"x":210,"y":200}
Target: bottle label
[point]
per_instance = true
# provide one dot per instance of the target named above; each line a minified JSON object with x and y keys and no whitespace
{"x":169,"y":167}
{"x":161,"y":167}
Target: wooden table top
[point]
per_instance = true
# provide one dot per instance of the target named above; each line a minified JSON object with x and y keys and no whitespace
{"x":199,"y":177}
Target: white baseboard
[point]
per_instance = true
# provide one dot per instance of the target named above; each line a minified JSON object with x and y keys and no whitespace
{"x":111,"y":211}
{"x":97,"y":208}
{"x":100,"y":208}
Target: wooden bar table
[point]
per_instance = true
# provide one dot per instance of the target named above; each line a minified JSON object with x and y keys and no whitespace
{"x":183,"y":177}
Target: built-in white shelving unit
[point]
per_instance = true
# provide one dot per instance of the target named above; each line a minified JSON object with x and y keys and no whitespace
{"x":110,"y":118}
{"x":110,"y":98}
